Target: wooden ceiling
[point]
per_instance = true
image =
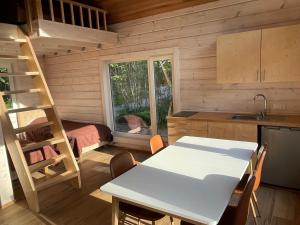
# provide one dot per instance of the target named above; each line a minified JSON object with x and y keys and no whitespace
{"x":124,"y":10}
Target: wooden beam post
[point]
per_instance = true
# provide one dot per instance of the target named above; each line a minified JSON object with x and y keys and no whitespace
{"x":51,"y":9}
{"x":81,"y":16}
{"x":90,"y":18}
{"x":62,"y":10}
{"x":39,"y":9}
{"x":28,"y":15}
{"x":97,"y":19}
{"x":72,"y":13}
{"x":104,"y":19}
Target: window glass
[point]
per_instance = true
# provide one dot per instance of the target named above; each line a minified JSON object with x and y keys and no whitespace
{"x":130,"y":97}
{"x":163,"y":93}
{"x":4,"y":86}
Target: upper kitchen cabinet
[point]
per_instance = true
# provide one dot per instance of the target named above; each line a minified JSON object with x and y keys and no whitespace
{"x":238,"y":57}
{"x":268,"y":55}
{"x":280,"y":54}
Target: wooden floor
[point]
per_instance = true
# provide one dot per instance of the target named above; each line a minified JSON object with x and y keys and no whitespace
{"x":64,"y":205}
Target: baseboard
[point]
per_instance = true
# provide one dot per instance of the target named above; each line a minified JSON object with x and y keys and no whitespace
{"x":8,"y":204}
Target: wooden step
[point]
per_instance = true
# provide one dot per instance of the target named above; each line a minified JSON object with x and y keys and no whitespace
{"x":25,"y":74}
{"x":30,"y":108}
{"x":56,"y":180}
{"x":40,"y":165}
{"x":19,"y":57}
{"x":12,"y":40}
{"x":32,"y":127}
{"x":33,"y":146}
{"x":36,"y":90}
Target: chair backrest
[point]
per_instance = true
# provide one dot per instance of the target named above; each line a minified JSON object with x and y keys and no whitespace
{"x":241,"y":212}
{"x":156,"y":144}
{"x":258,"y":169}
{"x":121,"y":163}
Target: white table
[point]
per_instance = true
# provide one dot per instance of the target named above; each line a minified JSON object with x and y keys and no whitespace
{"x":193,"y":179}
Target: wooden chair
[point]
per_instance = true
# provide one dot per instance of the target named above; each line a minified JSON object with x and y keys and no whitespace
{"x":156,"y":144}
{"x":236,"y":215}
{"x":120,"y":164}
{"x":257,"y":173}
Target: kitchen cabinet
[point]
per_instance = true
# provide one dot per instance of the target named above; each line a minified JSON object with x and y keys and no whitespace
{"x":280,"y":54}
{"x":179,"y":127}
{"x":232,"y":131}
{"x":238,"y":57}
{"x":267,"y":55}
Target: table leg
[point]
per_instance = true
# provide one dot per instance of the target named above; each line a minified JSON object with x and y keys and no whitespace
{"x":115,"y":211}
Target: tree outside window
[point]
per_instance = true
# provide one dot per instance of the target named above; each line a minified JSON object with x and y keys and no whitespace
{"x":130,"y":95}
{"x":4,"y":86}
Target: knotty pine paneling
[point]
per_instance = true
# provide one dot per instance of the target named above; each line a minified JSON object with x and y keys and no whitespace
{"x":194,"y":31}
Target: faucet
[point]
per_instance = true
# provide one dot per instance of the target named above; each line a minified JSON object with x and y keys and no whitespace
{"x":264,"y":113}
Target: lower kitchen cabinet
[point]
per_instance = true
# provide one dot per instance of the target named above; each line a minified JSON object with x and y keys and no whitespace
{"x":232,"y":131}
{"x":179,"y":127}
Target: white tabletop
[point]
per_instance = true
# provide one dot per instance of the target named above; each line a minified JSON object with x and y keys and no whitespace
{"x":193,"y":178}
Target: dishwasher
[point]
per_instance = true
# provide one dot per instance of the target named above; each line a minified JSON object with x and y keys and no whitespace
{"x":282,"y":162}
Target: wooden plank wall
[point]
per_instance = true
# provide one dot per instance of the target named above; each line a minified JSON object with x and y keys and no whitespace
{"x":75,"y":82}
{"x":75,"y":85}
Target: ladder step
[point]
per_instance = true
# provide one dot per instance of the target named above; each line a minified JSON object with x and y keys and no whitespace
{"x":30,"y":108}
{"x":32,"y":127}
{"x":12,"y":40}
{"x":36,"y":90}
{"x":40,"y":165}
{"x":56,"y":180}
{"x":51,"y":141}
{"x":20,"y":57}
{"x":25,"y":74}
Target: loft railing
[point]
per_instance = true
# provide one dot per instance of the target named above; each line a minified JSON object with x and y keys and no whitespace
{"x":84,"y":15}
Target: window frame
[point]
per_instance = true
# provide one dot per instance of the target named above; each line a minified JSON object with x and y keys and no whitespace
{"x":171,"y":54}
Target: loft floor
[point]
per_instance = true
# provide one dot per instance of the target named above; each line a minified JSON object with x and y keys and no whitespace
{"x":62,"y":204}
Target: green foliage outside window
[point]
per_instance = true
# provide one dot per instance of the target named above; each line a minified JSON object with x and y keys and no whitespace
{"x":130,"y":91}
{"x":4,"y":86}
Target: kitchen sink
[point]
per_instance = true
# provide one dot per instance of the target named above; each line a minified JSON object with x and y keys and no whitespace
{"x":247,"y":117}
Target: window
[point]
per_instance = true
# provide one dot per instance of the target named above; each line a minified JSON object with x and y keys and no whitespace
{"x":5,"y":86}
{"x":141,"y":95}
{"x":130,"y":97}
{"x":163,"y":93}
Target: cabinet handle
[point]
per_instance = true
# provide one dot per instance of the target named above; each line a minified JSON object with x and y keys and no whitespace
{"x":257,"y":75}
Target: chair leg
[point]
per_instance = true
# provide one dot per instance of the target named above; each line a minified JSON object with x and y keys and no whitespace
{"x":153,"y":222}
{"x":253,"y":211}
{"x":256,"y":203}
{"x":171,"y":220}
{"x":123,"y":218}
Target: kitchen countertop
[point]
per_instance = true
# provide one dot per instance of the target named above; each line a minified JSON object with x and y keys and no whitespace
{"x":270,"y":120}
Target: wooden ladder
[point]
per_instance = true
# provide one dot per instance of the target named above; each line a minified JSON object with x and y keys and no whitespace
{"x":16,"y":151}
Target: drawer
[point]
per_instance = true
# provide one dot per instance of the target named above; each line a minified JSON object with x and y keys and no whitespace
{"x":232,"y":131}
{"x":186,"y":124}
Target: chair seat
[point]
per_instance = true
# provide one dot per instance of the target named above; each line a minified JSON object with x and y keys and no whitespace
{"x":228,"y":216}
{"x":140,"y":212}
